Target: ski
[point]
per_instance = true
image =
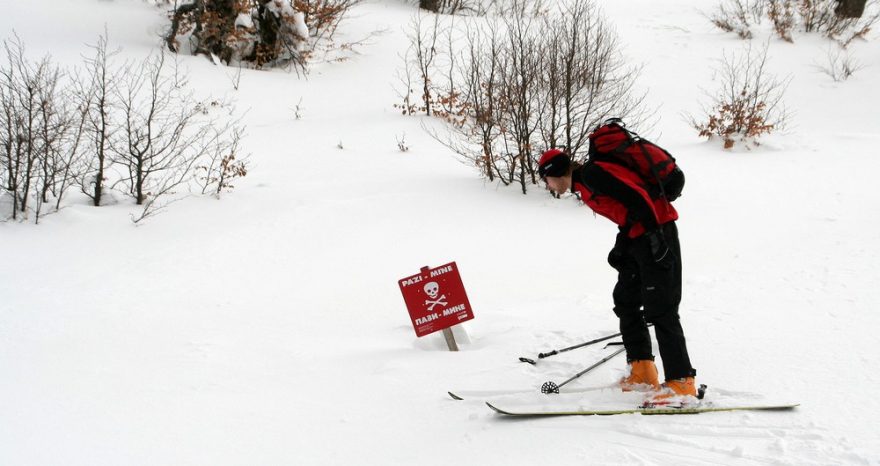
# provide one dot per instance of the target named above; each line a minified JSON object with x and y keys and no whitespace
{"x":460,"y":395}
{"x":697,"y":409}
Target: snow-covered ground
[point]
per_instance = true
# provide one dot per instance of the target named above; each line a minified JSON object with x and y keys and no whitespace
{"x":267,"y":328}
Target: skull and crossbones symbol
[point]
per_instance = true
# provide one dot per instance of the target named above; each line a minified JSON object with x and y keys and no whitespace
{"x":432,"y":289}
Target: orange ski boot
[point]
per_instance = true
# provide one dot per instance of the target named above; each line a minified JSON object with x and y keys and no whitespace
{"x":642,"y":377}
{"x":675,"y":389}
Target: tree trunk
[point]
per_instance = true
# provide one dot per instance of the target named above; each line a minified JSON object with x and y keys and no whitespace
{"x":850,"y":8}
{"x":430,"y":5}
{"x":179,"y":14}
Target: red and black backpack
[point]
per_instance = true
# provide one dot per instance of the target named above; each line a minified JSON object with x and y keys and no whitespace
{"x":612,"y":142}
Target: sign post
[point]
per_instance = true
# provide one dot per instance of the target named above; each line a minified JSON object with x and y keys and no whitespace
{"x":450,"y":339}
{"x":436,"y":300}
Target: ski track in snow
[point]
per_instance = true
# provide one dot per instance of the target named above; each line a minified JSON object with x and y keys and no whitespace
{"x":734,"y":440}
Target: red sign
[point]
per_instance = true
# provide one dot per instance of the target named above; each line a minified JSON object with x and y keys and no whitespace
{"x":435,"y":299}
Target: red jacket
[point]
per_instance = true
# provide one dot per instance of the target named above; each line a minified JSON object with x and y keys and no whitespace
{"x":618,"y":194}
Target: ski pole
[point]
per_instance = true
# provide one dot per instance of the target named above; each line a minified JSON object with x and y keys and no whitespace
{"x":550,"y":387}
{"x":555,"y":352}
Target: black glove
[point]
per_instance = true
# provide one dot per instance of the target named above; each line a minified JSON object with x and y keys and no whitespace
{"x":616,"y":259}
{"x":618,"y":254}
{"x":659,"y":249}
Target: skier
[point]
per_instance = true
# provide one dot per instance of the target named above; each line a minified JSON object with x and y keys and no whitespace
{"x":647,"y":257}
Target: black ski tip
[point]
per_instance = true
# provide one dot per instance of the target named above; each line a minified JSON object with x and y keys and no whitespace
{"x":530,"y":361}
{"x":499,"y":411}
{"x":455,"y":397}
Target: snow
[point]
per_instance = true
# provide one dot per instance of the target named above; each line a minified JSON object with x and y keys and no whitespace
{"x":244,"y":20}
{"x":299,"y":25}
{"x":267,"y":327}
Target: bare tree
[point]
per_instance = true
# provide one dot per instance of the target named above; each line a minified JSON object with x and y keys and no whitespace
{"x":166,"y":136}
{"x":588,"y":80}
{"x":520,"y":77}
{"x":166,"y":184}
{"x":14,"y":143}
{"x":24,"y":83}
{"x":422,"y":53}
{"x":71,"y":160}
{"x":522,"y":83}
{"x":95,"y":92}
{"x":7,"y":140}
{"x":57,"y":150}
{"x":480,"y":83}
{"x":39,"y":132}
{"x":163,"y":133}
{"x":105,"y":126}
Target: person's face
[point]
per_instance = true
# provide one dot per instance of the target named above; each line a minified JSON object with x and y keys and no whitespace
{"x":558,"y":184}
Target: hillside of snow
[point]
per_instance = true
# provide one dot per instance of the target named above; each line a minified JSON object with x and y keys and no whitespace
{"x":268,"y":328}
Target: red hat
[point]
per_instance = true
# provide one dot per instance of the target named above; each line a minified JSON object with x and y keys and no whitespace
{"x":553,"y":162}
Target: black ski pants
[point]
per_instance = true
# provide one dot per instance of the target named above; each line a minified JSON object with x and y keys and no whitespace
{"x":656,"y":286}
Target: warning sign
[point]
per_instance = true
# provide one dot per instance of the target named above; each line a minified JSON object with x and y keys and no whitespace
{"x":435,"y":299}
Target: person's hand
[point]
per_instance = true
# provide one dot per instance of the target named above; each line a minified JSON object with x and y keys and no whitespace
{"x":659,"y":249}
{"x":616,"y":259}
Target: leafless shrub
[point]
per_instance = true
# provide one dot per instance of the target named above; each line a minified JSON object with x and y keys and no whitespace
{"x":21,"y":81}
{"x":518,"y":8}
{"x":419,"y":65}
{"x":224,"y":162}
{"x":69,"y":155}
{"x":407,"y":78}
{"x":818,"y":15}
{"x":298,"y":110}
{"x":476,"y":137}
{"x":323,"y":17}
{"x":587,"y":79}
{"x":515,"y":8}
{"x":748,"y":103}
{"x":95,"y":87}
{"x":809,"y":16}
{"x":157,"y":121}
{"x":137,"y":127}
{"x":522,"y":84}
{"x":521,"y":89}
{"x":822,"y":16}
{"x":844,"y":30}
{"x":402,"y":144}
{"x":166,"y":134}
{"x":60,"y":133}
{"x":840,"y":64}
{"x":738,"y":16}
{"x":40,"y":132}
{"x":235,"y":78}
{"x":782,"y":15}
